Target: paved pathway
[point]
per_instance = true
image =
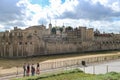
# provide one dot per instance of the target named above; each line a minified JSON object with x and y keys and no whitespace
{"x":8,"y":77}
{"x":100,"y":68}
{"x":103,"y":68}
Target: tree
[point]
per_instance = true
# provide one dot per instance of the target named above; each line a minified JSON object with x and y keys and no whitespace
{"x":61,"y":29}
{"x":53,"y":30}
{"x":69,"y":28}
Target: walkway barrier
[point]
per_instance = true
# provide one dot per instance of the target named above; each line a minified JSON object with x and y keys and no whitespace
{"x":102,"y":69}
{"x":76,"y":63}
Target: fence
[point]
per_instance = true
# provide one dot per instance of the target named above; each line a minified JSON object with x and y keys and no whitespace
{"x":97,"y":68}
{"x":102,"y":69}
{"x":76,"y":63}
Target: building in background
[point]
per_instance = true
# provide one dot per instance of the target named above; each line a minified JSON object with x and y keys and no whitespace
{"x":38,"y":40}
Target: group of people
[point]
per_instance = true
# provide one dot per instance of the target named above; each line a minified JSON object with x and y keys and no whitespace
{"x":31,"y":69}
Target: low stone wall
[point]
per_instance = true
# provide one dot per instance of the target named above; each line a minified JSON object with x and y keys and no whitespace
{"x":59,"y":63}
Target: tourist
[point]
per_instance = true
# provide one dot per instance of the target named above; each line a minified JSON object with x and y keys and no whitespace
{"x":32,"y":70}
{"x":24,"y":68}
{"x":38,"y":69}
{"x":28,"y":69}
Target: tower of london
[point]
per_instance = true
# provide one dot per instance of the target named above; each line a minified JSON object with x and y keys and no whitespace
{"x":39,"y":40}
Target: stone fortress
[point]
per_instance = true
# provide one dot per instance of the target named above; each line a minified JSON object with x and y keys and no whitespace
{"x":38,"y":40}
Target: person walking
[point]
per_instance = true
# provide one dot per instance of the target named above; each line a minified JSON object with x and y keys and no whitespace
{"x":38,"y":69}
{"x":24,"y":68}
{"x":32,"y":70}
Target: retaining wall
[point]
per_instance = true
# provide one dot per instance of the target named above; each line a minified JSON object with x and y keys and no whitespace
{"x":59,"y":63}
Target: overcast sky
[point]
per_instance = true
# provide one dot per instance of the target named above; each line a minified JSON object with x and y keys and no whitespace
{"x":103,"y":15}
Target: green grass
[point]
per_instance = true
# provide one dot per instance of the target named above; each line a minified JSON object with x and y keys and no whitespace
{"x":64,"y":75}
{"x":75,"y":74}
{"x":8,"y":63}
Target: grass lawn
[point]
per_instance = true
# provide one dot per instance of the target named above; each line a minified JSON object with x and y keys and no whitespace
{"x":8,"y":63}
{"x":75,"y":74}
{"x":63,"y":75}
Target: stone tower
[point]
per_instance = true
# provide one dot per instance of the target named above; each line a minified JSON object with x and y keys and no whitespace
{"x":63,"y":28}
{"x":89,"y":34}
{"x":83,"y":33}
{"x":50,"y":27}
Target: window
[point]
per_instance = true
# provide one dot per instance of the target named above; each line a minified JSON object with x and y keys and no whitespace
{"x":9,"y":43}
{"x":20,"y":43}
{"x":30,"y":42}
{"x":26,"y":43}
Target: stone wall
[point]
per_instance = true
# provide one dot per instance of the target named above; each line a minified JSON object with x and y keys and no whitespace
{"x":37,"y":40}
{"x":61,"y":47}
{"x":37,"y":46}
{"x":68,"y":62}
